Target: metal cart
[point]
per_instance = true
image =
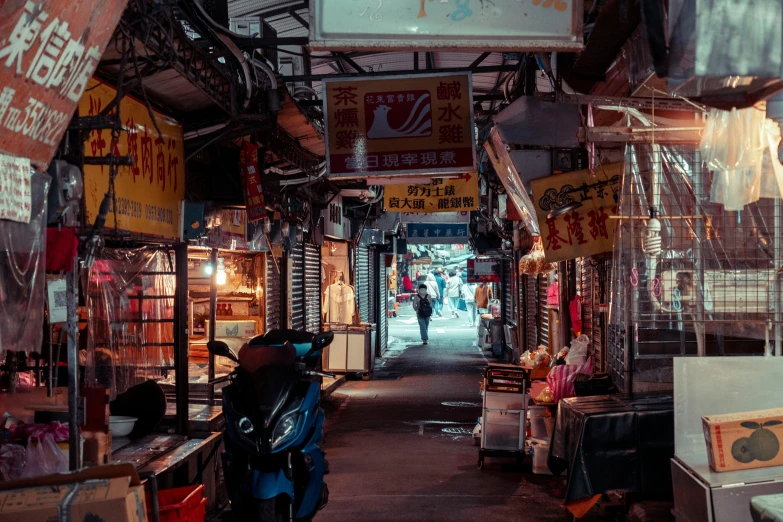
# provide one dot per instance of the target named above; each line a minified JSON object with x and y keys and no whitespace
{"x":504,"y":415}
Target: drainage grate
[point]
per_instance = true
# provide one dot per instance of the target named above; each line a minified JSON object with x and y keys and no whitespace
{"x":462,"y":404}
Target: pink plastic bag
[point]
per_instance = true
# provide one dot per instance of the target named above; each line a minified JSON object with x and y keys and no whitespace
{"x":561,"y":378}
{"x":44,"y":457}
{"x":12,"y":461}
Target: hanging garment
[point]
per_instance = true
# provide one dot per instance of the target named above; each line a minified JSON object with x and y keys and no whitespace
{"x":339,"y":304}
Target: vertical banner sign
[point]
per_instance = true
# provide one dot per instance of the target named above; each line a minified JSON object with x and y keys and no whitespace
{"x":48,"y":52}
{"x":399,"y":125}
{"x":483,"y":270}
{"x":15,"y":195}
{"x":149,"y":193}
{"x":440,"y":195}
{"x":588,"y":228}
{"x":251,"y":181}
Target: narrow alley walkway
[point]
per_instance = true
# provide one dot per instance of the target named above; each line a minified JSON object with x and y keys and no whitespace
{"x":400,"y":446}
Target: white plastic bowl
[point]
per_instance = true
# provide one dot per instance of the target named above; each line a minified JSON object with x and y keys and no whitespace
{"x":121,"y":426}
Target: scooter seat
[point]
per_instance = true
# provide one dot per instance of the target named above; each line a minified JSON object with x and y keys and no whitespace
{"x":253,"y":358}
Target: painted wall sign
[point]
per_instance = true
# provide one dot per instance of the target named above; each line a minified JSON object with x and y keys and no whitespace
{"x":588,"y":229}
{"x":48,"y":52}
{"x":484,"y":270}
{"x":148,"y":193}
{"x":441,"y":195}
{"x":552,"y":25}
{"x":250,"y":175}
{"x":335,"y":223}
{"x":232,"y":232}
{"x":436,"y":217}
{"x":399,"y":125}
{"x":437,"y":233}
{"x":16,"y":196}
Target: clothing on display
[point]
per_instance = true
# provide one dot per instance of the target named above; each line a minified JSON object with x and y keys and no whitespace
{"x":576,"y":314}
{"x":339,"y":303}
{"x":553,"y":294}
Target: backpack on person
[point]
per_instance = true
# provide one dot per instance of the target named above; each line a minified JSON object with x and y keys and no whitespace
{"x":424,"y":309}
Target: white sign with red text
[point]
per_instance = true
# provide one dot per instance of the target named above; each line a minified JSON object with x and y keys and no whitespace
{"x":15,"y":195}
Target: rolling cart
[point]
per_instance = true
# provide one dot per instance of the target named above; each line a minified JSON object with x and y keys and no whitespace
{"x":504,"y":414}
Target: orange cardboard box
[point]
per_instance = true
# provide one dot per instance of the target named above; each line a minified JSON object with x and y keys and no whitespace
{"x":746,"y":440}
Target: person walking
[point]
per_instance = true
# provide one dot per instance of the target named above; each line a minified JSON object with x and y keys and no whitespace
{"x":422,"y":304}
{"x":433,"y":292}
{"x":441,"y":292}
{"x":483,"y":295}
{"x":407,"y":284}
{"x":469,"y":295}
{"x":454,"y":293}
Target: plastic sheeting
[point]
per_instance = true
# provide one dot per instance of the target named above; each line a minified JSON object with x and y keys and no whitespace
{"x":22,"y":275}
{"x":130,"y":309}
{"x":708,"y":287}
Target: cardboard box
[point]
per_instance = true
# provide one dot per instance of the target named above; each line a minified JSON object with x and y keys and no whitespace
{"x":738,"y":441}
{"x":101,"y":494}
{"x":233,"y":328}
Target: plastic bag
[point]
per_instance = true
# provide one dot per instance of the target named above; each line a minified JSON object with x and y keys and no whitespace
{"x":545,"y":397}
{"x":580,"y":349}
{"x":44,"y":457}
{"x":12,"y":461}
{"x":561,"y":379}
{"x":494,"y":308}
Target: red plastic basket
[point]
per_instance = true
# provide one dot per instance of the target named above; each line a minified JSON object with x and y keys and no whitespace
{"x":182,"y":504}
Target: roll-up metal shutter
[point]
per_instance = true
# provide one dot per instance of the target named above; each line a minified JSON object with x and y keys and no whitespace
{"x":617,"y":336}
{"x":363,"y":283}
{"x":507,"y":292}
{"x":543,"y":313}
{"x":531,"y":312}
{"x":273,"y":292}
{"x":588,"y":279}
{"x":312,"y":287}
{"x":373,"y":283}
{"x":383,"y":306}
{"x":297,"y":279}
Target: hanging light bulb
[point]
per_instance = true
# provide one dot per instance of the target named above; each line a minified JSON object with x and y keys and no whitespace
{"x":221,"y":272}
{"x":208,"y":269}
{"x":285,"y":229}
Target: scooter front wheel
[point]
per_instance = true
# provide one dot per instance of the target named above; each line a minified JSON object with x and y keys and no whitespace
{"x":269,"y":510}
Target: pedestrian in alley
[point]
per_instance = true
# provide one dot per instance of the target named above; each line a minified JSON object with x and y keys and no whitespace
{"x":441,"y":292}
{"x":422,"y":305}
{"x":454,"y":293}
{"x":407,"y":284}
{"x":433,"y":292}
{"x":469,"y":295}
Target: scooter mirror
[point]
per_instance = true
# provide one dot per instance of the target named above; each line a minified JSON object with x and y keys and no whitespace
{"x":321,"y":341}
{"x":221,"y":349}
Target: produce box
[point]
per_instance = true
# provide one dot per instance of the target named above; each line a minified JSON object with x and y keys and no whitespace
{"x":101,"y":494}
{"x":737,"y":441}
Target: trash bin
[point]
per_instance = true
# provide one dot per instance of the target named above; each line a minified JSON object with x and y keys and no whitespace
{"x":498,"y":337}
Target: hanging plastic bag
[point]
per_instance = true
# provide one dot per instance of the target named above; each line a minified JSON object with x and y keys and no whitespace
{"x":44,"y":457}
{"x":494,"y":308}
{"x":561,"y":379}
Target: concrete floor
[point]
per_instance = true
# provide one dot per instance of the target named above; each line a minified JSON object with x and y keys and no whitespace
{"x":400,"y":446}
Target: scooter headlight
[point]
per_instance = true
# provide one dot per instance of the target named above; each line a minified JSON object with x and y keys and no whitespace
{"x":286,"y":426}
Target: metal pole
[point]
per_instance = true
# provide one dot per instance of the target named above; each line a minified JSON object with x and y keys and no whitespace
{"x":72,"y":293}
{"x":776,"y":226}
{"x":212,"y":318}
{"x":181,"y":337}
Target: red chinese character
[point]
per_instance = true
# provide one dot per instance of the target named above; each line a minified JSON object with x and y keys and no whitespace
{"x":574,"y":221}
{"x":132,"y":144}
{"x":449,"y":113}
{"x":346,"y":95}
{"x":346,"y":118}
{"x":347,"y":139}
{"x":597,"y":223}
{"x":146,"y":156}
{"x":97,"y":143}
{"x":553,"y":238}
{"x":173,"y":162}
{"x":450,"y":134}
{"x":449,"y":91}
{"x":160,"y":163}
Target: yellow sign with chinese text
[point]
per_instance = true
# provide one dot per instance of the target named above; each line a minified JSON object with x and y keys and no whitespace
{"x":441,"y":195}
{"x":586,"y":228}
{"x":148,"y":194}
{"x":418,"y":124}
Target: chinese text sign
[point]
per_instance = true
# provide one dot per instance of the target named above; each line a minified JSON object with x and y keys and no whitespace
{"x":399,"y":125}
{"x":588,"y":229}
{"x":251,"y":181}
{"x":483,"y":270}
{"x":441,"y":195}
{"x":15,"y":194}
{"x":48,"y":52}
{"x":148,"y":194}
{"x":437,"y":233}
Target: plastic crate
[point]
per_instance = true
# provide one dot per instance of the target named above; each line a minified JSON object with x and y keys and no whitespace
{"x":182,"y":504}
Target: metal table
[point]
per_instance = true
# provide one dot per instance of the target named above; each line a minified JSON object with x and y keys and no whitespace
{"x":767,"y":508}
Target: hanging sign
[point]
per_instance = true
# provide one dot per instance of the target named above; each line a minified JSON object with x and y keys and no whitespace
{"x":15,"y":193}
{"x":551,"y":25}
{"x":437,"y":233}
{"x":232,"y":232}
{"x":436,"y":217}
{"x":484,"y":270}
{"x":48,"y":52}
{"x":149,"y":193}
{"x":251,"y":181}
{"x":587,"y":228}
{"x":335,"y":224}
{"x":440,"y":195}
{"x":399,"y":125}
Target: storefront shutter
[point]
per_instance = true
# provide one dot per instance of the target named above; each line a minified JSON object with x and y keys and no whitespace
{"x":363,"y":283}
{"x":588,"y":279}
{"x":543,"y":313}
{"x":383,"y":296}
{"x":312,"y":288}
{"x":531,"y":312}
{"x":273,"y":293}
{"x":297,"y":279}
{"x":507,"y":291}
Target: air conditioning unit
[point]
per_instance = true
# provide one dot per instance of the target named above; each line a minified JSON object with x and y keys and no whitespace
{"x":255,"y":27}
{"x":291,"y":64}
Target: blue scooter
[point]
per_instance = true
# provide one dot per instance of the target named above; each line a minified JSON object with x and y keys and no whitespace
{"x":274,"y":465}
